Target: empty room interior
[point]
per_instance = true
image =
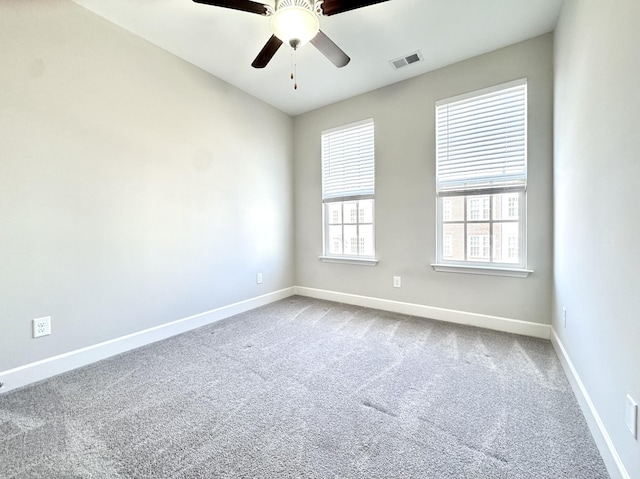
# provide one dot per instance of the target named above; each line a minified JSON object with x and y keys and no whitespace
{"x":200,"y":278}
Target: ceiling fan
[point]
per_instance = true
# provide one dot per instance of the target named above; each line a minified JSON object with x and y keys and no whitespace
{"x":296,"y":22}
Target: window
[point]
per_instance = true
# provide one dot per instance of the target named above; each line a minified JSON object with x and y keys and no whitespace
{"x":447,"y":245}
{"x":446,"y":209}
{"x":478,"y":246}
{"x":354,"y":246}
{"x":348,"y":187}
{"x":481,"y":174}
{"x":479,"y":208}
{"x":512,"y":247}
{"x":512,"y":206}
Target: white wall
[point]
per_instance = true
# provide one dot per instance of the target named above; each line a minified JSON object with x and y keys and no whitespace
{"x":597,"y":210}
{"x":405,"y":190}
{"x":135,"y":189}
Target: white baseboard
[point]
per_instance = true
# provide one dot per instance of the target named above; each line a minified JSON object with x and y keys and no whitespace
{"x":599,"y":432}
{"x":496,"y":323}
{"x":39,"y":370}
{"x":46,"y":368}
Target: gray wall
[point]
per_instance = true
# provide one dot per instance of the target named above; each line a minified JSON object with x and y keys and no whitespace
{"x":597,"y":210}
{"x":405,"y":190}
{"x":135,"y":189}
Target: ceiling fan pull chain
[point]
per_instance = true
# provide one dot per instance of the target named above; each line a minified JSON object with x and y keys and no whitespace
{"x":294,"y":68}
{"x":292,"y":50}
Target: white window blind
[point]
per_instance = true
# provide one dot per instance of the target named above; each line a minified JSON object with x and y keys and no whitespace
{"x":348,"y":162}
{"x":481,"y":140}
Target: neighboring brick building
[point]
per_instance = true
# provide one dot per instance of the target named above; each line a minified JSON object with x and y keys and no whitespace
{"x":490,"y":227}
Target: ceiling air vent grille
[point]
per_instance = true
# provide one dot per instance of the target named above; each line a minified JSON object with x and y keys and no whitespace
{"x":406,"y":60}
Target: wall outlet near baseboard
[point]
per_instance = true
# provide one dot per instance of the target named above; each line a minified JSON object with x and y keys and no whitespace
{"x":397,"y":281}
{"x":564,"y":317}
{"x":258,"y":278}
{"x":632,"y":417}
{"x":42,"y":326}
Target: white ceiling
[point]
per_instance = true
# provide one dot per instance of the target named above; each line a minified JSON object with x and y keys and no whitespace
{"x":224,"y":42}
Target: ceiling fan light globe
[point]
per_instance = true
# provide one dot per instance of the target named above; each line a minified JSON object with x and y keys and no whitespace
{"x":295,"y":25}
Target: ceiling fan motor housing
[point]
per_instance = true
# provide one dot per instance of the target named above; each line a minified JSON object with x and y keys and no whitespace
{"x":307,"y":4}
{"x":295,"y":22}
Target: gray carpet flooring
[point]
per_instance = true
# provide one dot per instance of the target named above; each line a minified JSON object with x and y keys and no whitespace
{"x":304,"y":388}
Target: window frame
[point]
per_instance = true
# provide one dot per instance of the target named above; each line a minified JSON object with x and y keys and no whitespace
{"x":467,"y":191}
{"x":343,"y":198}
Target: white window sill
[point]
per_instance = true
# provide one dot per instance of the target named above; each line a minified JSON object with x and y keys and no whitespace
{"x":349,"y":260}
{"x":485,"y":270}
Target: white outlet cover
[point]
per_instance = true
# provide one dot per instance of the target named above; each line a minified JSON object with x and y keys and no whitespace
{"x":41,"y":326}
{"x":632,"y":416}
{"x":397,"y":281}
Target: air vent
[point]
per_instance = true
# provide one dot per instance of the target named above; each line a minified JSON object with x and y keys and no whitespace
{"x":406,"y":60}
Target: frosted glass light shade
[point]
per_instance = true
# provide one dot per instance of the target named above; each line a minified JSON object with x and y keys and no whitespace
{"x":294,"y":25}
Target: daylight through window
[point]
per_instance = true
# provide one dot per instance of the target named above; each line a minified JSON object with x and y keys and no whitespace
{"x":348,"y":187}
{"x":481,"y":174}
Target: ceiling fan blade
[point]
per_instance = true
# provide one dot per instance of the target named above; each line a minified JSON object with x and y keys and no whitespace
{"x":330,"y":50}
{"x":266,"y":54}
{"x":333,"y":7}
{"x":244,"y":5}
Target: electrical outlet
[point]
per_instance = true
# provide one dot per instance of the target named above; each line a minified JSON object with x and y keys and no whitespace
{"x":259,"y":278}
{"x":42,"y":327}
{"x":397,"y":281}
{"x":564,"y":317}
{"x":632,"y":417}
